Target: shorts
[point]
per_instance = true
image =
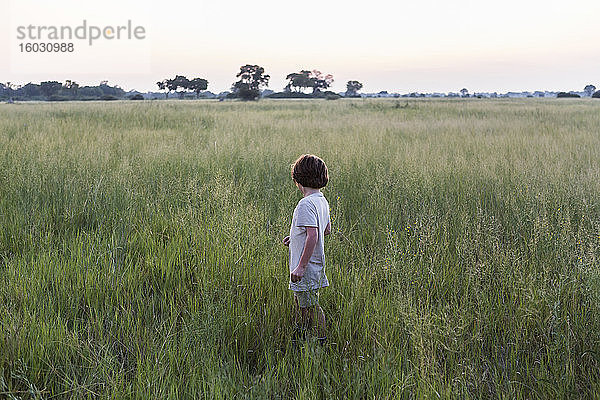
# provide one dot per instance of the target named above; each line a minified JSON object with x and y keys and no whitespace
{"x":307,"y":299}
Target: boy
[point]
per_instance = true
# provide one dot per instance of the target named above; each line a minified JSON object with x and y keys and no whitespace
{"x":310,"y":224}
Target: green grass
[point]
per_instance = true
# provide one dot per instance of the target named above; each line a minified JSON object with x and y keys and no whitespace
{"x":141,"y":255}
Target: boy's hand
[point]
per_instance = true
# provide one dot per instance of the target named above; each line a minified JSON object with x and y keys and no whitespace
{"x":286,"y":241}
{"x":297,"y":274}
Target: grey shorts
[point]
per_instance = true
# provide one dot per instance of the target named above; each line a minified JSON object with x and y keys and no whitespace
{"x":307,"y":299}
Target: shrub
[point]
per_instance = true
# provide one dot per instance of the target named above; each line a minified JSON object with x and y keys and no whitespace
{"x":56,"y":97}
{"x":289,"y":95}
{"x":596,"y":95}
{"x":136,"y":97}
{"x":325,"y":94}
{"x":567,"y":95}
{"x":248,"y":94}
{"x":108,"y":97}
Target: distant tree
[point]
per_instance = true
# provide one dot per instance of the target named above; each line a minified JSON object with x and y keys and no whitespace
{"x":171,"y":85}
{"x":90,"y":92}
{"x":31,"y":90}
{"x":319,"y":81}
{"x":596,"y":95}
{"x":352,"y":88}
{"x":464,"y":92}
{"x":298,"y":81}
{"x":589,"y":90}
{"x":10,"y":88}
{"x":71,"y":87}
{"x":111,"y":91}
{"x":251,"y":79}
{"x":50,"y":88}
{"x":163,"y":85}
{"x":179,"y":81}
{"x":567,"y":95}
{"x":197,"y":85}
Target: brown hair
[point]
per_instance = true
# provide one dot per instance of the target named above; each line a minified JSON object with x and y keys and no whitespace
{"x":310,"y":171}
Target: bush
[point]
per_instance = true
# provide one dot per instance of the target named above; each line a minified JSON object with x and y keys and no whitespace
{"x":596,"y":95}
{"x":136,"y":97}
{"x":568,"y":95}
{"x":289,"y":95}
{"x":56,"y":97}
{"x":247,"y":94}
{"x":329,"y":95}
{"x":108,"y":97}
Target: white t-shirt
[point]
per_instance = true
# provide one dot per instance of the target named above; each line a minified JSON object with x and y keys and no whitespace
{"x":312,"y":210}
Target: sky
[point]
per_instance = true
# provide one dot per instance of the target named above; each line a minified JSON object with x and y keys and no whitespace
{"x":398,"y":46}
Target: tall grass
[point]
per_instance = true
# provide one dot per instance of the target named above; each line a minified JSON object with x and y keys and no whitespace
{"x":141,"y":255}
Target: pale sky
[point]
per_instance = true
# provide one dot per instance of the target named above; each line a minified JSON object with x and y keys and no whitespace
{"x":398,"y":46}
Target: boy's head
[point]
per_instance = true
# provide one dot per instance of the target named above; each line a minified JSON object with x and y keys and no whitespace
{"x":310,"y":171}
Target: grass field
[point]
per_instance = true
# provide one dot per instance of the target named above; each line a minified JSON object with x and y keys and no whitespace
{"x":141,"y":255}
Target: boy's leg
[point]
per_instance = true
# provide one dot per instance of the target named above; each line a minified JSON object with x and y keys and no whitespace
{"x":320,"y":319}
{"x":301,"y":318}
{"x":311,"y":313}
{"x":302,"y":313}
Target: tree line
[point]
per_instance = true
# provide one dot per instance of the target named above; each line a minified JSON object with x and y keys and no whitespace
{"x":251,"y":81}
{"x":56,"y":91}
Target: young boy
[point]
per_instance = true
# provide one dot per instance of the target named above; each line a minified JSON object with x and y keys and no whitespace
{"x":310,"y":224}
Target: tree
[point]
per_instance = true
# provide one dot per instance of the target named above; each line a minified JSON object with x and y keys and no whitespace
{"x":31,"y":90}
{"x":179,"y":81}
{"x":589,"y":90}
{"x":162,"y":85}
{"x":251,"y":79}
{"x":171,"y":85}
{"x":464,"y":92}
{"x":90,"y":92}
{"x":352,"y":88}
{"x":50,"y":88}
{"x":197,"y":85}
{"x":10,"y":88}
{"x":299,"y":80}
{"x":308,"y":79}
{"x":319,"y":81}
{"x":111,"y":91}
{"x":71,"y":87}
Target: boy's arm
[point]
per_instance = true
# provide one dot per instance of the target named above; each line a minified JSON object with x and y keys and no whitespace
{"x":312,"y":235}
{"x":328,"y":228}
